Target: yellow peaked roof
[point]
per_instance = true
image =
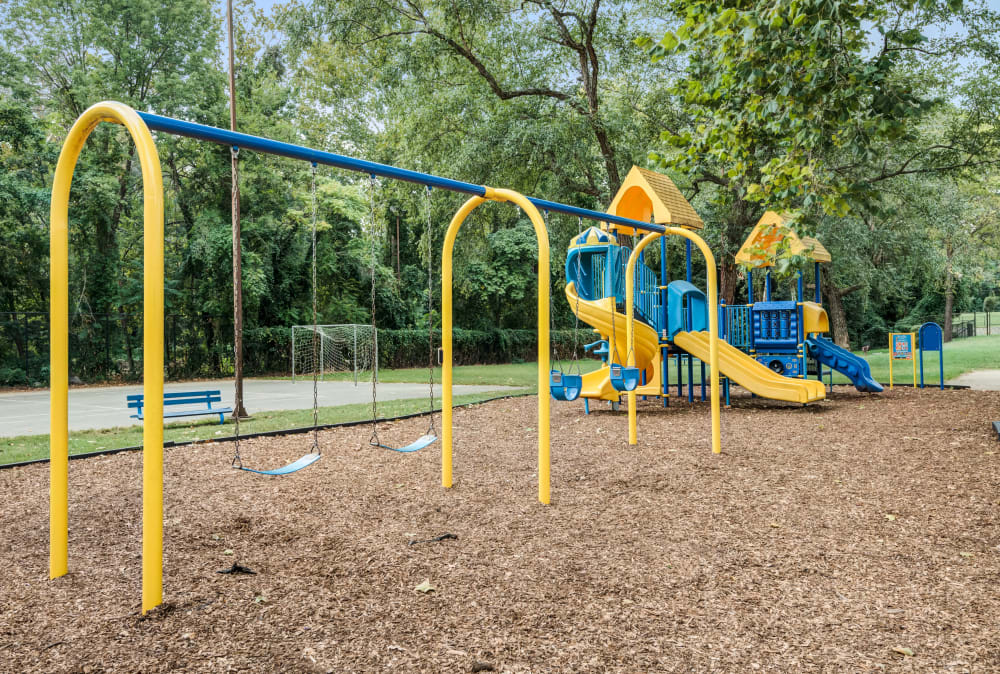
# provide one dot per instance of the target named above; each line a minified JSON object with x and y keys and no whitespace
{"x":645,"y":194}
{"x":765,"y":237}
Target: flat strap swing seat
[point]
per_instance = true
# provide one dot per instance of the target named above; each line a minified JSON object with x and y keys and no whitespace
{"x":293,"y":467}
{"x":416,"y":445}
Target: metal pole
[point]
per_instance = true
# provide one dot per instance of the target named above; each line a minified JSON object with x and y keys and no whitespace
{"x":687,"y":249}
{"x":293,"y":354}
{"x":257,"y":144}
{"x":322,"y":360}
{"x":356,"y":354}
{"x":238,"y":409}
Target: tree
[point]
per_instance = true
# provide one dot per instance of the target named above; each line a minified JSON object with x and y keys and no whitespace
{"x":791,"y":106}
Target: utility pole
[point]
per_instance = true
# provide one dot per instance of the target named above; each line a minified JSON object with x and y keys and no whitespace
{"x":238,"y":410}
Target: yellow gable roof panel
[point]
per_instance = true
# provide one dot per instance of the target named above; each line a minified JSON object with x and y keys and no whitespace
{"x":765,"y":237}
{"x":647,"y":195}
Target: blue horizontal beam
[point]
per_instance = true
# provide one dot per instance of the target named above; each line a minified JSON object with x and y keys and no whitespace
{"x":247,"y":142}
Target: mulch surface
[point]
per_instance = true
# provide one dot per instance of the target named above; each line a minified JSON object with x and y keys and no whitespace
{"x":837,"y":537}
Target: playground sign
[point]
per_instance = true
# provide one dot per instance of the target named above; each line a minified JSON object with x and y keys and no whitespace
{"x":901,"y":346}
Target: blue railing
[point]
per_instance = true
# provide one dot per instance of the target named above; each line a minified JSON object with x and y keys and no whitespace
{"x":737,"y":325}
{"x":647,"y":300}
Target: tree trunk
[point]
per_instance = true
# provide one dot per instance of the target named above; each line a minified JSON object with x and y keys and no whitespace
{"x":727,"y":281}
{"x":949,"y":292}
{"x":835,"y":308}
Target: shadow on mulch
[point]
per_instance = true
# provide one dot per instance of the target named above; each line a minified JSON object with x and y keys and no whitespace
{"x":837,"y":537}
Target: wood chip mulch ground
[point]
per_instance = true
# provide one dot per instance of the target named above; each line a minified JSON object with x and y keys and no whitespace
{"x":858,"y":534}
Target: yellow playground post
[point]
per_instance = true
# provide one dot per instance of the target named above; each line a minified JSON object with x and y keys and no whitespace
{"x":152,"y":368}
{"x":713,"y":328}
{"x":499,"y":195}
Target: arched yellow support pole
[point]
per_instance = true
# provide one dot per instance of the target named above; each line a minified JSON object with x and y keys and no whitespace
{"x":713,"y":328}
{"x":543,"y":333}
{"x":152,"y":347}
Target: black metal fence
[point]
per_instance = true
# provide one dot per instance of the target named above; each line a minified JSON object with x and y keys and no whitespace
{"x":108,"y":347}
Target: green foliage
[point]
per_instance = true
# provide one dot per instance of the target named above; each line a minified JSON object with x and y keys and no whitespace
{"x":753,"y":106}
{"x":991,"y":304}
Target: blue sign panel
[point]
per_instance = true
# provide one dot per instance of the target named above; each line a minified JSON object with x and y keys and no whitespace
{"x":931,"y":337}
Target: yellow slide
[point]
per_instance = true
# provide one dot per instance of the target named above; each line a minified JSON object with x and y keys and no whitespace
{"x":601,"y":314}
{"x":750,"y":374}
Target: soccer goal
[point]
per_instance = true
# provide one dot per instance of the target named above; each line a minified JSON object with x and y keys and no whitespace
{"x":338,"y":348}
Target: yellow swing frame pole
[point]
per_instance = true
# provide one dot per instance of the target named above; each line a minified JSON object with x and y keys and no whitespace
{"x":499,"y":195}
{"x":152,"y":354}
{"x":713,"y":328}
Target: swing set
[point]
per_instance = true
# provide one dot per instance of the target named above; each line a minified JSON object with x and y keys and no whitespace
{"x":139,"y":126}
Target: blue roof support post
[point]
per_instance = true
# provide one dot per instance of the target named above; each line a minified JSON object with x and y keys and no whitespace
{"x":664,"y":350}
{"x":801,"y":331}
{"x":749,"y":286}
{"x":816,"y":275}
{"x":687,"y":249}
{"x":767,"y":286}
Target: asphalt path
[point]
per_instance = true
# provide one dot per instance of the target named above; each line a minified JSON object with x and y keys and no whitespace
{"x":27,"y":412}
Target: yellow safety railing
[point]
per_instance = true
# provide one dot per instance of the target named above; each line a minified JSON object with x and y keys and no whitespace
{"x":499,"y":195}
{"x":713,"y":328}
{"x":152,"y":353}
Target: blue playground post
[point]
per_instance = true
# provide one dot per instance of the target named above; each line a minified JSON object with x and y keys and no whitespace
{"x":664,"y":350}
{"x":801,"y":336}
{"x":749,"y":286}
{"x":767,"y":286}
{"x":816,"y":273}
{"x":930,"y":337}
{"x":688,"y":255}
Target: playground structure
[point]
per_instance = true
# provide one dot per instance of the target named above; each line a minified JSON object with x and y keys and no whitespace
{"x":783,"y":334}
{"x":139,"y":125}
{"x":662,"y":319}
{"x":765,"y":344}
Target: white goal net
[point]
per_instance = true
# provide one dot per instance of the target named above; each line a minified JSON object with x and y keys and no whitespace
{"x":338,"y":348}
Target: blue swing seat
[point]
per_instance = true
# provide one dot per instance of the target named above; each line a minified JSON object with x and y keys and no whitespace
{"x":293,"y":467}
{"x":624,"y":378}
{"x":565,"y":387}
{"x":416,"y":445}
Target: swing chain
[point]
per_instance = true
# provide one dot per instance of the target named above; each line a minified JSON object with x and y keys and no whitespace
{"x":431,"y":430}
{"x":315,"y":332}
{"x":576,"y":325}
{"x":234,"y":152}
{"x":552,"y":317}
{"x":372,"y":185}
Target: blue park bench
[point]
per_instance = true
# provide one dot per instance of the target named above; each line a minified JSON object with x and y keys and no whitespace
{"x":184,"y":398}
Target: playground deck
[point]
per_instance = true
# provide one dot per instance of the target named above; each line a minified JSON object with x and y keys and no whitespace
{"x":824,"y":538}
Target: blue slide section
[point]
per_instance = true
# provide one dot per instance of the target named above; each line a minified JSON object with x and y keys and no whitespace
{"x":853,"y":367}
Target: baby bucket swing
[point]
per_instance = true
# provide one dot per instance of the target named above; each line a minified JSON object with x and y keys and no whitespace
{"x":430,"y":436}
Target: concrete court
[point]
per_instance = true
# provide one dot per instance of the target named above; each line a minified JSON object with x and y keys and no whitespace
{"x":27,"y":412}
{"x":980,"y":380}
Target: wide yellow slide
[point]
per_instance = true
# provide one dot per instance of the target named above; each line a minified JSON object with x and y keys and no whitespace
{"x":750,"y":374}
{"x":601,"y":314}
